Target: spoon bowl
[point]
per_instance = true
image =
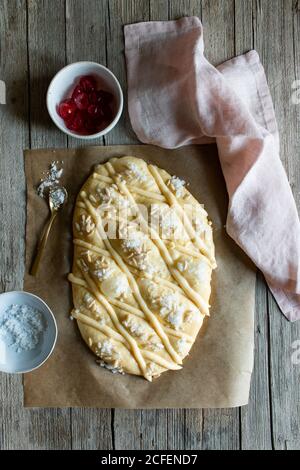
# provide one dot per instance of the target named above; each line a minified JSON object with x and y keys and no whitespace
{"x":58,"y":197}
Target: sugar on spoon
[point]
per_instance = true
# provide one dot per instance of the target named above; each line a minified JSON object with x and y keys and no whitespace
{"x":57,"y":198}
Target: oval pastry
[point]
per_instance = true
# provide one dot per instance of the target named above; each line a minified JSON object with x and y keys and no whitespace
{"x":143,"y":258}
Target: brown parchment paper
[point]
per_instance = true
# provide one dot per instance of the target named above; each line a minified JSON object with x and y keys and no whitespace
{"x":217,"y":373}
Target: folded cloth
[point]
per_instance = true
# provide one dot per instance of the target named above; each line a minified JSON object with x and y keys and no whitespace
{"x":176,"y":97}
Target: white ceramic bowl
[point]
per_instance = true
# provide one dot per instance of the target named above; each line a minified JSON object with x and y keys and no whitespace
{"x":65,"y":81}
{"x":26,"y":361}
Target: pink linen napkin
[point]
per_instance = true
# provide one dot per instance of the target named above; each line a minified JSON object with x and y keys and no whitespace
{"x":176,"y":97}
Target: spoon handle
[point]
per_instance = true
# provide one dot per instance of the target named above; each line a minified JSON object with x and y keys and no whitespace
{"x":42,"y":244}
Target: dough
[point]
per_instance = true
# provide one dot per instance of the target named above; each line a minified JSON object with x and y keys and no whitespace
{"x":143,"y":258}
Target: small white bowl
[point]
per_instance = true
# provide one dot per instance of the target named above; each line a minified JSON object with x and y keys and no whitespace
{"x":65,"y":81}
{"x":19,"y":362}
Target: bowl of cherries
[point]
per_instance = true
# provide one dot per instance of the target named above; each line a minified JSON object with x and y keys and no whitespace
{"x":85,"y":100}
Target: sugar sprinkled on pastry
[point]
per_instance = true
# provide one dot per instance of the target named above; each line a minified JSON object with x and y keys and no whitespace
{"x":143,"y":258}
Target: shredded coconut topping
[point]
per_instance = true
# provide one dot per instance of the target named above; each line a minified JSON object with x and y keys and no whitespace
{"x":102,"y":273}
{"x":122,"y":286}
{"x":107,"y":352}
{"x":58,"y":197}
{"x":172,"y":310}
{"x":21,"y":327}
{"x":138,"y":253}
{"x":150,"y":269}
{"x":106,"y":348}
{"x":199,"y":270}
{"x":105,"y":195}
{"x":132,"y":244}
{"x":136,"y":329}
{"x":176,"y":318}
{"x":102,"y":270}
{"x":135,"y":172}
{"x":51,"y":178}
{"x":177,"y":185}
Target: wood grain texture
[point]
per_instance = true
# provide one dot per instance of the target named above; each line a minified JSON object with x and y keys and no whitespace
{"x":14,"y":137}
{"x":218,"y":22}
{"x":120,"y":13}
{"x":41,"y":36}
{"x":46,"y":55}
{"x":278,"y":51}
{"x":256,"y":417}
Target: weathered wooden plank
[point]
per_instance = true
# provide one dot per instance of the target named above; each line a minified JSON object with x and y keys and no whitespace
{"x":14,"y":136}
{"x":11,"y":413}
{"x":120,"y":13}
{"x":295,"y":105}
{"x":179,"y":8}
{"x":157,"y":429}
{"x":86,"y":40}
{"x":243,"y":26}
{"x":278,"y":51}
{"x":255,"y":418}
{"x":20,"y":428}
{"x":127,"y":429}
{"x":45,"y":429}
{"x":193,"y":429}
{"x":159,"y":10}
{"x":218,"y":23}
{"x":46,"y":43}
{"x":221,"y":428}
{"x":29,"y":428}
{"x":91,"y":429}
{"x":285,"y":396}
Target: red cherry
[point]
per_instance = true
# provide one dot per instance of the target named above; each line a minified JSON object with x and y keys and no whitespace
{"x":94,"y":110}
{"x":81,"y":101}
{"x":90,"y":125}
{"x":107,"y":112}
{"x":87,"y":83}
{"x":88,"y":110}
{"x":77,"y":91}
{"x":66,"y":109}
{"x":77,"y":123}
{"x":93,"y":97}
{"x":104,"y":96}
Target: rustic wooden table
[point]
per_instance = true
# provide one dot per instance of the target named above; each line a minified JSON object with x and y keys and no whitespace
{"x":37,"y":38}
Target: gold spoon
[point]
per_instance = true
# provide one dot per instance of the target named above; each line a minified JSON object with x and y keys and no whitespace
{"x":57,"y":198}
